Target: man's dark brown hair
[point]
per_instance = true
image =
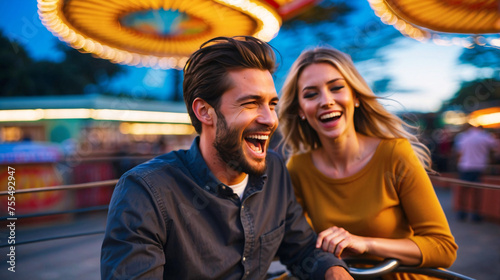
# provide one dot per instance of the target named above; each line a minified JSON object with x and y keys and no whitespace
{"x":205,"y":73}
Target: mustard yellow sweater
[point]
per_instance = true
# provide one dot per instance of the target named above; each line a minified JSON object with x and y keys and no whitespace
{"x":391,"y":197}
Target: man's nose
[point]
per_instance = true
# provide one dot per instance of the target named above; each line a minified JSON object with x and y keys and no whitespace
{"x":268,"y":117}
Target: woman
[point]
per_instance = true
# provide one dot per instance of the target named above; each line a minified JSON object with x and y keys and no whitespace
{"x":357,"y":171}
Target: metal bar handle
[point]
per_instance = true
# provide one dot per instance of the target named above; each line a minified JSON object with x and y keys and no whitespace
{"x":393,"y":265}
{"x":380,"y":269}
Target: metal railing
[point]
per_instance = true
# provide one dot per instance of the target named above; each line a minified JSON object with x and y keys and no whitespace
{"x":65,"y":187}
{"x":378,"y":269}
{"x":392,"y":265}
{"x":463,"y":183}
{"x":51,"y":213}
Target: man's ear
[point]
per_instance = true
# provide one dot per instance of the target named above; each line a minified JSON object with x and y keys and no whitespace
{"x":203,"y":111}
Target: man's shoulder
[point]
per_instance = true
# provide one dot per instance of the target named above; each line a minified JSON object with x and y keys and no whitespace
{"x":276,"y":168}
{"x":165,"y":164}
{"x":274,"y":158}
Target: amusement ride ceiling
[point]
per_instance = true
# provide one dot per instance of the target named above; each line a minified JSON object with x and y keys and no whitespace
{"x":160,"y":33}
{"x":445,"y":22}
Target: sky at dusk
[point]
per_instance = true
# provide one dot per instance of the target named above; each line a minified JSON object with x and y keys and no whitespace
{"x":424,"y":74}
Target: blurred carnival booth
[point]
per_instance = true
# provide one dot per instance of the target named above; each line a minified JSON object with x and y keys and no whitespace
{"x":81,"y":139}
{"x":33,"y":165}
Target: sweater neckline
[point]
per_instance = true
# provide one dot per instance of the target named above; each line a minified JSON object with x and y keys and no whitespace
{"x":352,"y":177}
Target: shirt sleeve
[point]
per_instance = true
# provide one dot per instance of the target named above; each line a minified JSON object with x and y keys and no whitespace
{"x":422,"y":209}
{"x":135,"y":231}
{"x":493,"y":143}
{"x":297,"y":250}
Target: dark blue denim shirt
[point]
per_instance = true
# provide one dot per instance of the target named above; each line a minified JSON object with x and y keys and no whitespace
{"x":171,"y":218}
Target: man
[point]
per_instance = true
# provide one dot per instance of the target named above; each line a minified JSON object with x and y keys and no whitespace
{"x":473,"y":147}
{"x":224,"y":208}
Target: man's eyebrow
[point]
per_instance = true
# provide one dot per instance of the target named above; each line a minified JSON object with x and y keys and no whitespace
{"x":253,"y":97}
{"x":249,"y":97}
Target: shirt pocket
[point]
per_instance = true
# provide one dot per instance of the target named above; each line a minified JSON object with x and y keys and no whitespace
{"x":269,"y":244}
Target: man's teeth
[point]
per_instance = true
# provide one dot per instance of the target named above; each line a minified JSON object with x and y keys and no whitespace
{"x":259,"y":137}
{"x":257,"y":142}
{"x":330,"y":115}
{"x":256,"y":148}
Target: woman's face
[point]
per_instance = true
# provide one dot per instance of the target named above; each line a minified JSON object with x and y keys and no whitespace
{"x":326,"y":101}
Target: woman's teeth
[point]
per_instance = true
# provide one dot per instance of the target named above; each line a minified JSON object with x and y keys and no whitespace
{"x":330,"y":116}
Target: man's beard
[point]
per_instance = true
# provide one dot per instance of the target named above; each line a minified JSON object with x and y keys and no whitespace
{"x":229,"y":148}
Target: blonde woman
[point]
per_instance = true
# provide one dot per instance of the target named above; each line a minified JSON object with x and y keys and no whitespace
{"x":358,"y":172}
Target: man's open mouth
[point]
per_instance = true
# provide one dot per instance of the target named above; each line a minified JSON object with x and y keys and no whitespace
{"x":257,"y":142}
{"x":333,"y":116}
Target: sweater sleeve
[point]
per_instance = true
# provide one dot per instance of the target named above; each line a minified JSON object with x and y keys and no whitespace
{"x":292,"y":165}
{"x":422,"y":209}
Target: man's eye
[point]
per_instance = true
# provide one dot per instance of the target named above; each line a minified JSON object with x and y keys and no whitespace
{"x":250,"y":103}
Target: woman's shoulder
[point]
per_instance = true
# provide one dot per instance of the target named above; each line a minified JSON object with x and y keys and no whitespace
{"x":396,"y":144}
{"x":394,"y":147}
{"x":399,"y":150}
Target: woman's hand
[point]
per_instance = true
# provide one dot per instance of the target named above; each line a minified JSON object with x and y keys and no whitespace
{"x":340,"y":242}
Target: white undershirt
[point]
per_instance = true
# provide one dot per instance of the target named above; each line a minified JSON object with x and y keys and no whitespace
{"x":240,"y":187}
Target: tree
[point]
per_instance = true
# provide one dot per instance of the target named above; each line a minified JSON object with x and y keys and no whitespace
{"x":474,"y":95}
{"x":345,"y":25}
{"x":15,"y":64}
{"x":326,"y":11}
{"x":484,"y":58}
{"x":485,"y":89}
{"x":22,"y":76}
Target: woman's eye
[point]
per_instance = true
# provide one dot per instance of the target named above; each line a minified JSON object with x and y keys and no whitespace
{"x":337,"y":88}
{"x":309,"y":95}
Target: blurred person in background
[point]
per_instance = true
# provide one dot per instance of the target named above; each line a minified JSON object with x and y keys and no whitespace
{"x":357,"y":171}
{"x":225,"y":208}
{"x":473,"y":147}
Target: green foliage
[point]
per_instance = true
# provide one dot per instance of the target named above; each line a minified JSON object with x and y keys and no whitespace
{"x":23,"y":76}
{"x":349,"y":26}
{"x":474,"y":95}
{"x":326,"y":11}
{"x":481,"y":92}
{"x":14,"y":76}
{"x":481,"y":57}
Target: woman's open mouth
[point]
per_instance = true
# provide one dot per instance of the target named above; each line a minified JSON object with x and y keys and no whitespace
{"x":330,"y":117}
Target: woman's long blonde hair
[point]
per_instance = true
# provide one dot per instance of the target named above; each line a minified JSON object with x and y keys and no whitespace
{"x":370,"y":118}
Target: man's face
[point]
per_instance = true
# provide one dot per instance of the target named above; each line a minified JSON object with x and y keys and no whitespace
{"x":246,"y":120}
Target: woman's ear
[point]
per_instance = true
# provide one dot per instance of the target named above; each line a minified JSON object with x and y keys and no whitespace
{"x":302,"y":116}
{"x":203,"y":111}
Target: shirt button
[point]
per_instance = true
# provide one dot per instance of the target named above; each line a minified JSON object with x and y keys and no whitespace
{"x":248,"y":272}
{"x":207,"y":188}
{"x":242,"y":206}
{"x":244,"y":259}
